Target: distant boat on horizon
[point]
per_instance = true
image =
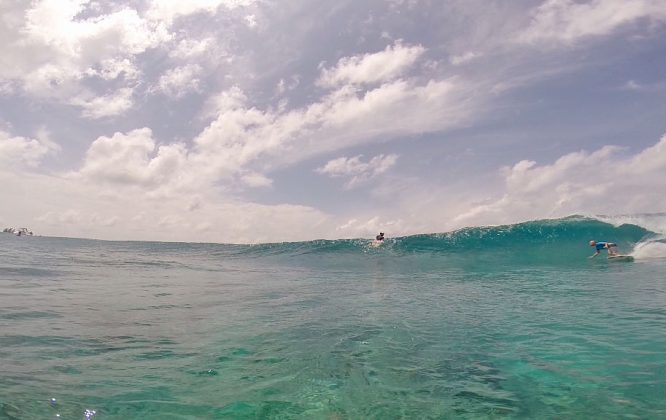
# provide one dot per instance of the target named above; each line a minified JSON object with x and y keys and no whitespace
{"x":18,"y":231}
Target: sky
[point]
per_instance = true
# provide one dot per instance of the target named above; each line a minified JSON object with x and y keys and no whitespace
{"x":247,"y":121}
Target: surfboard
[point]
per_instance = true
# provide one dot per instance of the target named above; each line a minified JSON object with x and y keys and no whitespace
{"x":377,"y":243}
{"x":620,"y":258}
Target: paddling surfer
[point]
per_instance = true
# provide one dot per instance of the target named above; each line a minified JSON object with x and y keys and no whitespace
{"x":609,"y":246}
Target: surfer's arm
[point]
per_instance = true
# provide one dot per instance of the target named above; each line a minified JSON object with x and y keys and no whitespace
{"x":594,"y":255}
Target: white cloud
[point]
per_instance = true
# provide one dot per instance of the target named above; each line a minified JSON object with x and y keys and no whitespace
{"x":372,"y":68}
{"x":256,"y":180}
{"x":635,"y":86}
{"x":68,"y":217}
{"x":225,"y":101}
{"x":51,"y":48}
{"x":167,"y":11}
{"x":133,"y":159}
{"x":110,"y":105}
{"x":21,"y":151}
{"x":632,"y":85}
{"x":566,"y":21}
{"x":78,"y":208}
{"x":189,"y":48}
{"x":113,"y":68}
{"x":179,"y":81}
{"x":241,"y":134}
{"x":356,"y":228}
{"x":53,"y":26}
{"x":6,"y":87}
{"x":601,"y":182}
{"x":104,"y":57}
{"x":284,"y":86}
{"x":242,"y":138}
{"x":356,"y":170}
{"x":457,"y":60}
{"x":251,"y":21}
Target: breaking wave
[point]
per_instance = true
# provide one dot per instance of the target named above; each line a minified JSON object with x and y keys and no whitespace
{"x":541,"y":240}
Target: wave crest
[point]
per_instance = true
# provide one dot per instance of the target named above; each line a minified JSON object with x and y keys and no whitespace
{"x":551,"y":239}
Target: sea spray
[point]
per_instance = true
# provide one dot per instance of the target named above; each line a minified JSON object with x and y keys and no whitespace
{"x":652,"y":246}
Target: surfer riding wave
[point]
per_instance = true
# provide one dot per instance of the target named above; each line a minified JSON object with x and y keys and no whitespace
{"x":609,"y":246}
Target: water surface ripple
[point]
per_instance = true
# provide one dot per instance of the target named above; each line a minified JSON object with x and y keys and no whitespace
{"x":186,"y":331}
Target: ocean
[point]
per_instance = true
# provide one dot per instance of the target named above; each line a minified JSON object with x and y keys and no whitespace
{"x":495,"y":322}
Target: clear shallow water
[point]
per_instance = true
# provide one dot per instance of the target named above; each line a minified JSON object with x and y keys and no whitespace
{"x":509,"y":322}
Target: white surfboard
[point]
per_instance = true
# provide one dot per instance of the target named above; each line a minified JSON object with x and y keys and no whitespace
{"x":619,"y":258}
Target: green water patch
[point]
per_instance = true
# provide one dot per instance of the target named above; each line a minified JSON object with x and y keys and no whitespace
{"x":487,"y":323}
{"x":14,"y":315}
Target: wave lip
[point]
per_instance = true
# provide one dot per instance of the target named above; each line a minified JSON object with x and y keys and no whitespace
{"x":553,"y":240}
{"x":544,"y":241}
{"x":654,"y":222}
{"x":650,"y":247}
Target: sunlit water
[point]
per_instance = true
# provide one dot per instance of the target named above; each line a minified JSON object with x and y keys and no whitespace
{"x":330,"y":330}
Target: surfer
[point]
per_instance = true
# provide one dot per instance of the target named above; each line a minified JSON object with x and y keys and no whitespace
{"x":380,"y":237}
{"x":609,"y":246}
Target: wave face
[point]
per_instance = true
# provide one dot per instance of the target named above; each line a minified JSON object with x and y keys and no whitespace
{"x":550,"y":241}
{"x":556,"y":236}
{"x":539,"y":241}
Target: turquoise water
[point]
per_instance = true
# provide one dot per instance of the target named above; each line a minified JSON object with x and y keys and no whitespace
{"x":504,"y":322}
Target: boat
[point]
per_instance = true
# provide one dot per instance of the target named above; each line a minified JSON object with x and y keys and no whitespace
{"x":18,"y":231}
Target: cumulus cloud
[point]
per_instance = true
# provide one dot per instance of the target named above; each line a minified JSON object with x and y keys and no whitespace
{"x":251,"y":21}
{"x":372,"y":68}
{"x":132,"y":159}
{"x":241,"y":134}
{"x":53,"y":49}
{"x":284,"y":86}
{"x":274,"y":108}
{"x":167,"y":11}
{"x":21,"y":151}
{"x":179,"y":81}
{"x":256,"y":180}
{"x":190,"y":48}
{"x":72,"y":207}
{"x":566,"y":21}
{"x":601,"y":182}
{"x":113,"y":68}
{"x":356,"y":170}
{"x":53,"y":30}
{"x":355,"y":228}
{"x":96,"y":107}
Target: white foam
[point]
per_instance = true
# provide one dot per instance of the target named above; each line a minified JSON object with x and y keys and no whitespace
{"x":650,"y":249}
{"x":655,"y":222}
